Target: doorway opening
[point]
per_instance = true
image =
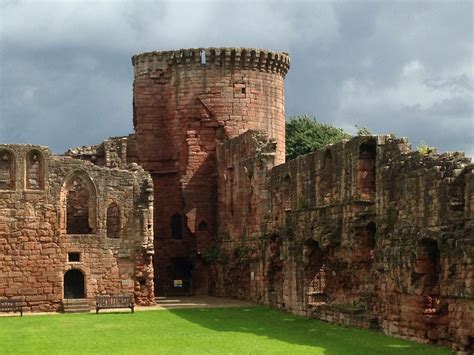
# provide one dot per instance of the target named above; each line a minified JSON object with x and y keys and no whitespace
{"x":74,"y":284}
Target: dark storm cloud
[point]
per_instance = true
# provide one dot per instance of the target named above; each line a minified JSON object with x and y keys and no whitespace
{"x":403,"y":68}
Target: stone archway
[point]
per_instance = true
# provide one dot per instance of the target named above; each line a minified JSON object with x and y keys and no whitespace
{"x":74,"y":285}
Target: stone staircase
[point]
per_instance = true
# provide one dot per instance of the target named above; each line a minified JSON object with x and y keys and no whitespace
{"x":76,"y":305}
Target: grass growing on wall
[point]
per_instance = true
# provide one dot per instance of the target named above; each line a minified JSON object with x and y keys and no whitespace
{"x":253,"y":330}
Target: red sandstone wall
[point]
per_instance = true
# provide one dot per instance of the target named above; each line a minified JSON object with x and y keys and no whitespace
{"x":269,"y":255}
{"x":34,"y":245}
{"x":182,"y":108}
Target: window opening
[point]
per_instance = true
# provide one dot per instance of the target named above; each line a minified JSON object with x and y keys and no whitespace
{"x":6,"y":171}
{"x":177,"y":226}
{"x":73,"y":257}
{"x":78,"y":199}
{"x":366,"y":171}
{"x":113,"y":221}
{"x":34,"y":171}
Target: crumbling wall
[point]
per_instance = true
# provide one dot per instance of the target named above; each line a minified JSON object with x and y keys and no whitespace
{"x":424,"y":271}
{"x":36,"y":247}
{"x":243,"y":203}
{"x":365,"y":233}
{"x":114,"y":152}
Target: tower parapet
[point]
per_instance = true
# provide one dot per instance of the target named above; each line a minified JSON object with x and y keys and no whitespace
{"x":227,"y":58}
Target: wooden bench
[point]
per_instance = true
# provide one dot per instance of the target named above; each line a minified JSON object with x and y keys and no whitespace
{"x":11,"y":306}
{"x":106,"y":302}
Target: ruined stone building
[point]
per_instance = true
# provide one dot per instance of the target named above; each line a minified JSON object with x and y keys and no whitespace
{"x":199,"y":200}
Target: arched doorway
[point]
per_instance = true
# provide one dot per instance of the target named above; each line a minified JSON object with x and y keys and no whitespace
{"x":74,"y":284}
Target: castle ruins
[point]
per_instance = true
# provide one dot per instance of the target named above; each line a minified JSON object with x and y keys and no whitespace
{"x":199,"y":200}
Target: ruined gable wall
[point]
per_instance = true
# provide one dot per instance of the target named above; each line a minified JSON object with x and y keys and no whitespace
{"x":346,"y":238}
{"x":34,"y":243}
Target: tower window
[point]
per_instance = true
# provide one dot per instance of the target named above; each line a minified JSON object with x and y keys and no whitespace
{"x":73,"y":257}
{"x":177,"y":226}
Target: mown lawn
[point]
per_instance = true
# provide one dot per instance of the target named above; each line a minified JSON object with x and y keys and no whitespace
{"x":253,"y":330}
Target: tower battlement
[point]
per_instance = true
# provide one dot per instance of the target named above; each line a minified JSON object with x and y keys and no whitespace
{"x":227,"y":58}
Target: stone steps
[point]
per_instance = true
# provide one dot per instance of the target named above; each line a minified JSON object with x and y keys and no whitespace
{"x":80,"y":305}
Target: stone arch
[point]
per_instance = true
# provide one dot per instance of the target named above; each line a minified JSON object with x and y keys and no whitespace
{"x":7,"y":169}
{"x":113,"y":221}
{"x":327,"y":178}
{"x":79,"y":204}
{"x":366,"y":170}
{"x":35,"y":170}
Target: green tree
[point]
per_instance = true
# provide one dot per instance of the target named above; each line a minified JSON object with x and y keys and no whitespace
{"x":305,"y":134}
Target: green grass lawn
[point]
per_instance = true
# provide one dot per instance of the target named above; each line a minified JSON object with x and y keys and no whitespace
{"x":253,"y":330}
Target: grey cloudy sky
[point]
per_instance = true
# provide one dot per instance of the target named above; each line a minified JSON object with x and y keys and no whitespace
{"x":395,"y":67}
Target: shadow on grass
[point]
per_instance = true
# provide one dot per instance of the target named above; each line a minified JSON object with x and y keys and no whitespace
{"x":291,"y":329}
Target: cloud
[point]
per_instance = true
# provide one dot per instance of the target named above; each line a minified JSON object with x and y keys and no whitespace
{"x":401,"y":67}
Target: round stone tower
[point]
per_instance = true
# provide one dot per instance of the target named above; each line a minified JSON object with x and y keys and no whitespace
{"x":184,"y":103}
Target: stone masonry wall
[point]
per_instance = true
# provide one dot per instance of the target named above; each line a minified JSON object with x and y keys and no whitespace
{"x":36,"y":251}
{"x":365,"y":233}
{"x":185,"y":102}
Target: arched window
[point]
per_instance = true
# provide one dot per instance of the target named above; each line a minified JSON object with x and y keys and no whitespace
{"x":366,"y":171}
{"x":80,"y":205}
{"x":34,"y":170}
{"x":327,"y":178}
{"x":113,"y":221}
{"x":177,"y":226}
{"x":7,"y":170}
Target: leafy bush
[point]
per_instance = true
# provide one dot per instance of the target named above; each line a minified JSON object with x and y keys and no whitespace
{"x":305,"y":134}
